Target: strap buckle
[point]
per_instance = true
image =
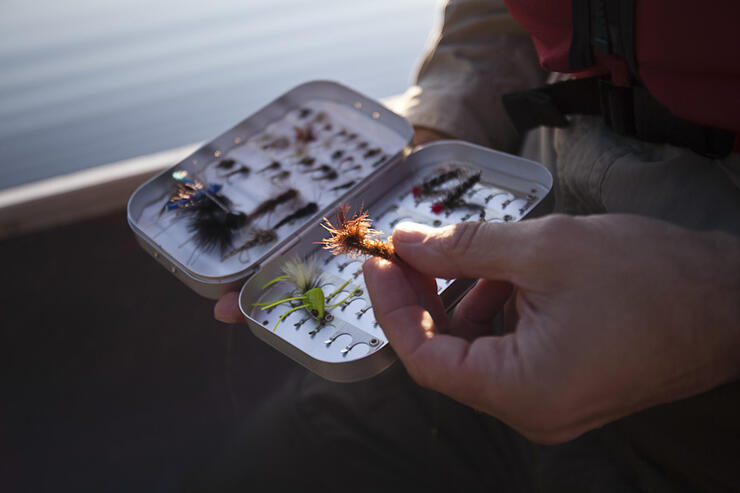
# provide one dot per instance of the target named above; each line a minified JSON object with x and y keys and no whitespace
{"x":628,"y":110}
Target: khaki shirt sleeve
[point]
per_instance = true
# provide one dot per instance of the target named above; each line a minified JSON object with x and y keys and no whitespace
{"x":480,"y":54}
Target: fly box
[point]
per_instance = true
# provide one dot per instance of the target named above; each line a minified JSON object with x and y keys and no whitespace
{"x":244,"y":211}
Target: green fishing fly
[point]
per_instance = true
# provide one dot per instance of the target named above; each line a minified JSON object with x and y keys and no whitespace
{"x":307,"y":280}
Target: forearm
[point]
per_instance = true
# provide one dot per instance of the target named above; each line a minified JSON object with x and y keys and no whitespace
{"x":480,"y":54}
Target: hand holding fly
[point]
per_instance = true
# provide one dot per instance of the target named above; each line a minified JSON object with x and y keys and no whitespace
{"x":603,"y":315}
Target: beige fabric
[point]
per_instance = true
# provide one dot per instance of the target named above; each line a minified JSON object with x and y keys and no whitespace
{"x":480,"y":54}
{"x":599,"y":171}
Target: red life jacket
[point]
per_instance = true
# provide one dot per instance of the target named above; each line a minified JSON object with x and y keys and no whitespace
{"x":687,"y":54}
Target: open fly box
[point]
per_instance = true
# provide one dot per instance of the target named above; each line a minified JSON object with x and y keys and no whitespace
{"x":242,"y":207}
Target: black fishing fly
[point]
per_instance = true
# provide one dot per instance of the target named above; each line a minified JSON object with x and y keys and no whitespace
{"x":211,"y":218}
{"x":430,"y":186}
{"x":453,"y":198}
{"x":307,"y":210}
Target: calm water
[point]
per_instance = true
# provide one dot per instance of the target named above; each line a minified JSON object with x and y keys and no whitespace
{"x":85,"y":83}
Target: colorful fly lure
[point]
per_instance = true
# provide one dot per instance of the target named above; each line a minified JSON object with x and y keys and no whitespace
{"x":212,"y":221}
{"x":189,"y":192}
{"x":355,"y":236}
{"x":305,"y":277}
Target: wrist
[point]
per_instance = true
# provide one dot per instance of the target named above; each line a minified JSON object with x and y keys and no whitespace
{"x":722,"y":301}
{"x":703,"y":314}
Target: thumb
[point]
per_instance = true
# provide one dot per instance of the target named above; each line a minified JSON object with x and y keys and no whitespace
{"x":473,"y":249}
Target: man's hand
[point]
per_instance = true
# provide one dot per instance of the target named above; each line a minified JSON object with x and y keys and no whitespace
{"x":610,"y":315}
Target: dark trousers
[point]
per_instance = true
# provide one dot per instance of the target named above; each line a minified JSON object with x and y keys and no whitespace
{"x":389,"y":433}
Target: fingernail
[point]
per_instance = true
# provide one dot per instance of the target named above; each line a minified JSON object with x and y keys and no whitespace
{"x":408,"y":232}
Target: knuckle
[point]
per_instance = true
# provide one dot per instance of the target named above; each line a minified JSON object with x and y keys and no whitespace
{"x":461,"y":239}
{"x":555,"y":224}
{"x":551,"y":234}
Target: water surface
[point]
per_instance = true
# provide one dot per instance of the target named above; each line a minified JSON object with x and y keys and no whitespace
{"x":85,"y":82}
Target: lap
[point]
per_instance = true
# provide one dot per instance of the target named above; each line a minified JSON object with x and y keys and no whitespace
{"x":389,"y":432}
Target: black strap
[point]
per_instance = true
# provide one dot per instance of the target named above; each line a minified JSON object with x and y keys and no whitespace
{"x":549,"y":104}
{"x":580,"y":56}
{"x":604,"y":26}
{"x":621,"y":22}
{"x":629,"y":111}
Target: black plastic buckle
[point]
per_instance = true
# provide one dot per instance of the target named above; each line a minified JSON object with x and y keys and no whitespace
{"x":617,"y":107}
{"x":530,"y":109}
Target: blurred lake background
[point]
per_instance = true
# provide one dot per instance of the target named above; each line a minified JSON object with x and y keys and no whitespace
{"x":85,"y":83}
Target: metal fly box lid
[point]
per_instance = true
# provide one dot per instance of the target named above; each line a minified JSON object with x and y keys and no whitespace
{"x":349,"y":345}
{"x":212,"y":218}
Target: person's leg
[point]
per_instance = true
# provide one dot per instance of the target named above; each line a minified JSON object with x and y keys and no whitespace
{"x":600,"y":172}
{"x":387,"y":432}
{"x":380,"y":433}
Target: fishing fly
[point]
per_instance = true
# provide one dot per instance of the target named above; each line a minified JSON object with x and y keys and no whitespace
{"x":329,"y":176}
{"x":307,"y":161}
{"x":306,"y":210}
{"x":226,"y":163}
{"x":304,"y":134}
{"x":327,"y":173}
{"x":324,"y":168}
{"x":280,"y":177}
{"x":241,"y":170}
{"x":380,"y":161}
{"x":453,"y":198}
{"x":356,"y":167}
{"x":221,"y":232}
{"x":270,"y":205}
{"x":212,"y":221}
{"x":372,"y":152}
{"x":306,"y":279}
{"x":431,"y":186}
{"x":355,"y":236}
{"x":343,"y":186}
{"x":189,"y":192}
{"x":273,"y":166}
{"x":259,"y":237}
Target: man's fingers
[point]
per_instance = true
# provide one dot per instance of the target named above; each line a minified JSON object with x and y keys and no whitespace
{"x":436,"y":360}
{"x":504,"y":251}
{"x":393,"y":287}
{"x":227,"y":309}
{"x":474,"y":315}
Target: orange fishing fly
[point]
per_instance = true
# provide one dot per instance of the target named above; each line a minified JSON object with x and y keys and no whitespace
{"x":355,"y":236}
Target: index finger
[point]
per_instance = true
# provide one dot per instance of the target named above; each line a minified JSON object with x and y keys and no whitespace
{"x":442,"y":362}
